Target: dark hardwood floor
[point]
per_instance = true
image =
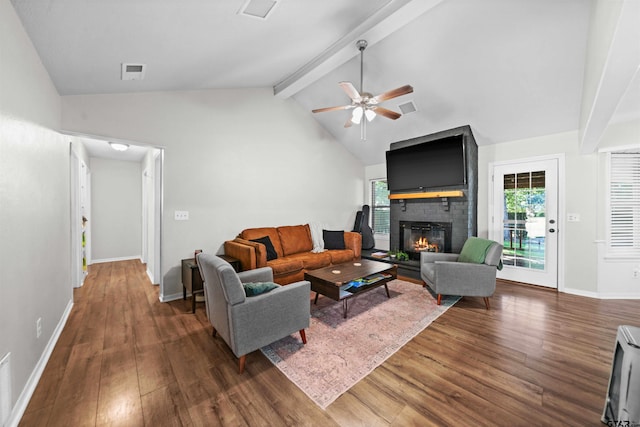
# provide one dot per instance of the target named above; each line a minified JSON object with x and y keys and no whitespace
{"x":124,"y":358}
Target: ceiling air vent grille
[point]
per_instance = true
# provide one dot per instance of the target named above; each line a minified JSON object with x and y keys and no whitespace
{"x":408,"y":107}
{"x":258,"y":8}
{"x":133,"y":71}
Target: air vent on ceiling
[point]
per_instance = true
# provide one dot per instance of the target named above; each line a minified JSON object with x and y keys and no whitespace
{"x":258,"y":8}
{"x":133,"y":71}
{"x":408,"y":107}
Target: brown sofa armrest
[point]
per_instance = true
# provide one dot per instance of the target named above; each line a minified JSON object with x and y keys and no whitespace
{"x":353,"y":241}
{"x":246,"y":252}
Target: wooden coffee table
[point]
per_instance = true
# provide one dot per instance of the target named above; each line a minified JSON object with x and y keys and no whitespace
{"x":334,"y":281}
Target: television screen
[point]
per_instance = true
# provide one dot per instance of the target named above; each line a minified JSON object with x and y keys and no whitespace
{"x":432,"y":164}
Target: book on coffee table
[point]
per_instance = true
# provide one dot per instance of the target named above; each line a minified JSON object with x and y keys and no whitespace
{"x":380,"y":254}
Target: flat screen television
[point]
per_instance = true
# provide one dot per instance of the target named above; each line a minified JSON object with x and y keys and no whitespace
{"x":432,"y":164}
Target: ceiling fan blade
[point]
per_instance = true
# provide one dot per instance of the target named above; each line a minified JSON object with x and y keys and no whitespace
{"x":348,"y":123}
{"x":393,"y":93}
{"x":322,"y":110}
{"x":351,"y":91}
{"x":386,"y":113}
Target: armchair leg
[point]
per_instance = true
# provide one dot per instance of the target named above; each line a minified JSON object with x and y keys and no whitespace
{"x":439,"y":299}
{"x":241,"y":362}
{"x":486,"y":302}
{"x":303,"y":335}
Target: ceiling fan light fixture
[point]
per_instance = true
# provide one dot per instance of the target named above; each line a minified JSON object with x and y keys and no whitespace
{"x":356,"y":117}
{"x":370,"y":114}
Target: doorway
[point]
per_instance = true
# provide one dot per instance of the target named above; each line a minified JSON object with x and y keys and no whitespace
{"x":151,"y":161}
{"x":524,"y":219}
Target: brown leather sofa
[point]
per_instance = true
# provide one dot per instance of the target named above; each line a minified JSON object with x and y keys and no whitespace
{"x":293,"y":246}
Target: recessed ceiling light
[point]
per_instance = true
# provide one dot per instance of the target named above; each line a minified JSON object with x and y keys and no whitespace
{"x":258,"y":8}
{"x":119,"y":146}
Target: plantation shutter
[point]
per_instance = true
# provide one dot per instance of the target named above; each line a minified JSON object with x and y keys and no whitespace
{"x":624,"y":201}
{"x":380,"y":208}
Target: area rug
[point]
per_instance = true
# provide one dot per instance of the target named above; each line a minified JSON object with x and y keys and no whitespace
{"x":340,"y":352}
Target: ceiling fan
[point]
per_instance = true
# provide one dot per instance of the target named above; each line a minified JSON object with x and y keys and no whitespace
{"x":363,"y":103}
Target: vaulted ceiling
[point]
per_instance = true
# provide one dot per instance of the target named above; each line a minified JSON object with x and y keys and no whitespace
{"x":512,"y":69}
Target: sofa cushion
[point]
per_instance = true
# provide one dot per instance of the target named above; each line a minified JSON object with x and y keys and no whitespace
{"x":287,"y":265}
{"x":338,"y":256}
{"x":333,"y":239}
{"x":295,"y":239}
{"x":266,"y":241}
{"x":256,"y":233}
{"x":312,"y":261}
{"x":257,"y":288}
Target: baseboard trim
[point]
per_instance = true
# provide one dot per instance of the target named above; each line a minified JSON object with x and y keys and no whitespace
{"x":618,"y":296}
{"x":581,"y":293}
{"x":173,"y":297}
{"x":34,"y":378}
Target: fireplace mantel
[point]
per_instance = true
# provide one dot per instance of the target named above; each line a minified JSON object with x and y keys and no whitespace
{"x":426,"y":195}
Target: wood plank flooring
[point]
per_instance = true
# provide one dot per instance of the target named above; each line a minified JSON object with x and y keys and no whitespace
{"x":124,"y":358}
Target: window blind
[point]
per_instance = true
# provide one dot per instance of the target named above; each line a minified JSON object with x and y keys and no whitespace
{"x":380,"y":208}
{"x":624,"y":204}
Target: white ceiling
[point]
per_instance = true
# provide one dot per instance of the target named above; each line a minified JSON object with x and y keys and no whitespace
{"x":512,"y":69}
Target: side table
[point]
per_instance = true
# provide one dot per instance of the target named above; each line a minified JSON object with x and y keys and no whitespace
{"x":192,"y":280}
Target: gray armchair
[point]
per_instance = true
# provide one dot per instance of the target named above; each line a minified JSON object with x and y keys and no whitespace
{"x":446,"y":275}
{"x":249,"y":323}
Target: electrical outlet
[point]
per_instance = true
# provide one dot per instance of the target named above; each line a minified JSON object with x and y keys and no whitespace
{"x":38,"y":327}
{"x":181,"y":215}
{"x":636,"y":273}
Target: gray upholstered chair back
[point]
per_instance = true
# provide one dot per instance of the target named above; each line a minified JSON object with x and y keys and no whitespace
{"x":222,"y":288}
{"x":494,"y":254}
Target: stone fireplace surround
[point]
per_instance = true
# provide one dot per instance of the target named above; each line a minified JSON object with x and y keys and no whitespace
{"x":461,"y":212}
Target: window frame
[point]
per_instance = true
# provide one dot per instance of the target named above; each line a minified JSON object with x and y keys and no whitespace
{"x":615,"y":247}
{"x":372,"y":183}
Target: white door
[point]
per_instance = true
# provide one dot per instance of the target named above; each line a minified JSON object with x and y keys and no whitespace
{"x":525,"y":220}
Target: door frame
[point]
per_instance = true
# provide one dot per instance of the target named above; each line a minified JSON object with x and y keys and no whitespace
{"x":561,"y":222}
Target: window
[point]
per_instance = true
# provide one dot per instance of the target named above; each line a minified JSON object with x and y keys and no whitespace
{"x":380,"y":207}
{"x":624,"y":204}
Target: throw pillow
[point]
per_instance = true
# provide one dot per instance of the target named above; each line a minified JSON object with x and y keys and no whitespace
{"x":316,"y":237}
{"x":474,"y":250}
{"x":266,"y":241}
{"x":257,"y":288}
{"x":333,"y":239}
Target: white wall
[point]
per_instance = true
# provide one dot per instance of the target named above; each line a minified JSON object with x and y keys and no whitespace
{"x":35,"y":272}
{"x":116,"y":209}
{"x":233,"y":158}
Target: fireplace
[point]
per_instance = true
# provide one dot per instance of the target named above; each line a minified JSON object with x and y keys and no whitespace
{"x":416,"y":237}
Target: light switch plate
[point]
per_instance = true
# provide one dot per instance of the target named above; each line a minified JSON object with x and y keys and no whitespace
{"x":181,"y":215}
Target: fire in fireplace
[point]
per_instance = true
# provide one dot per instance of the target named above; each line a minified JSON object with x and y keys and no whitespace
{"x":416,"y":237}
